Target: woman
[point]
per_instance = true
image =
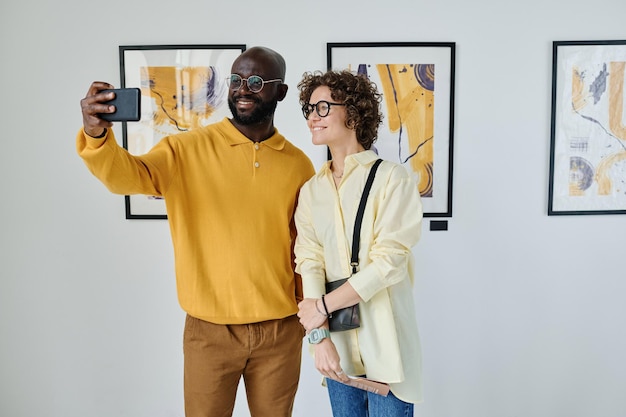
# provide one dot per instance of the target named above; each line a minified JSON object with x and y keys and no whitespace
{"x":342,"y":112}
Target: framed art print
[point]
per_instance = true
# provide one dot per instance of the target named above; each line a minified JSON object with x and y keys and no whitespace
{"x":183,"y":87}
{"x":416,"y":80}
{"x":588,"y":129}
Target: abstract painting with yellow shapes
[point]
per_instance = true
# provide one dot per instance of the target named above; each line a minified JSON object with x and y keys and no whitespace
{"x":588,"y":141}
{"x":417,"y":84}
{"x":184,"y":97}
{"x":183,"y":87}
{"x":408,"y":91}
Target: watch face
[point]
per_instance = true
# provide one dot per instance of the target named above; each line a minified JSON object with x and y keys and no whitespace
{"x":317,"y":335}
{"x":314,"y":337}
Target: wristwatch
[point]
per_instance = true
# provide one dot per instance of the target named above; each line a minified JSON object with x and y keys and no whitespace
{"x":317,"y":335}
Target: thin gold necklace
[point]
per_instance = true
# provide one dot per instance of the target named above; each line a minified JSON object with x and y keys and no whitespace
{"x":333,"y":172}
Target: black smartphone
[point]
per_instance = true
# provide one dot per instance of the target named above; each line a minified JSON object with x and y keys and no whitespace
{"x":127,"y":104}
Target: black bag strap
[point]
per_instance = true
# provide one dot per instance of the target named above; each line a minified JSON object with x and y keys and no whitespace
{"x":356,"y":237}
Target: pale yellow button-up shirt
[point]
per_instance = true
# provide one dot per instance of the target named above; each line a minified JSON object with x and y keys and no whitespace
{"x":386,"y":347}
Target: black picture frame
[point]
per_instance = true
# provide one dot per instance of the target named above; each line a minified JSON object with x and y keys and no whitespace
{"x":588,"y":128}
{"x":183,"y":87}
{"x":418,"y":121}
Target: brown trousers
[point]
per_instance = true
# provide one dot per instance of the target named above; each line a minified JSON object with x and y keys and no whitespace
{"x":267,"y":355}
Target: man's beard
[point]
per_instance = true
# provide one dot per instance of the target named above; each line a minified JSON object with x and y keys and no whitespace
{"x":262,"y":113}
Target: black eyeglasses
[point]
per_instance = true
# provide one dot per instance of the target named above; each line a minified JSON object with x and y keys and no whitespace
{"x":322,"y":108}
{"x":255,"y":82}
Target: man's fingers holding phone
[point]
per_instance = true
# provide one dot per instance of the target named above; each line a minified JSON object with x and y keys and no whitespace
{"x":127,"y":105}
{"x":93,"y":105}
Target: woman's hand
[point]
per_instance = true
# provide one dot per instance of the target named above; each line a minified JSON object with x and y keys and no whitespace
{"x":311,"y":313}
{"x":327,"y":361}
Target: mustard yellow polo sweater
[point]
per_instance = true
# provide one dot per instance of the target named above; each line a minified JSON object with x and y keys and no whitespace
{"x":230,"y":204}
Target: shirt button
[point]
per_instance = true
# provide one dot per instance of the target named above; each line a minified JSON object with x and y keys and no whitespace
{"x":256,"y":146}
{"x":256,"y":164}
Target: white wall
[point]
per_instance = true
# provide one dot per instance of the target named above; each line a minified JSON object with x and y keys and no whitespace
{"x":521,"y":314}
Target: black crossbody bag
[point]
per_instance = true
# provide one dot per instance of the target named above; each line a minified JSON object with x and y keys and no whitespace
{"x":349,"y":318}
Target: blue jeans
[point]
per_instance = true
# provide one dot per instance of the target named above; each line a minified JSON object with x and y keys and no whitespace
{"x":347,"y":401}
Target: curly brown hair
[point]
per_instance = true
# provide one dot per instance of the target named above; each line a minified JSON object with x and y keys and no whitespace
{"x":357,"y":92}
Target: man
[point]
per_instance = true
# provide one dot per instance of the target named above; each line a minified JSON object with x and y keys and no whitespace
{"x":230,"y":190}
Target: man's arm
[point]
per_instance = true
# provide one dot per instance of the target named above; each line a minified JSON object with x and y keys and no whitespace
{"x":114,"y":166}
